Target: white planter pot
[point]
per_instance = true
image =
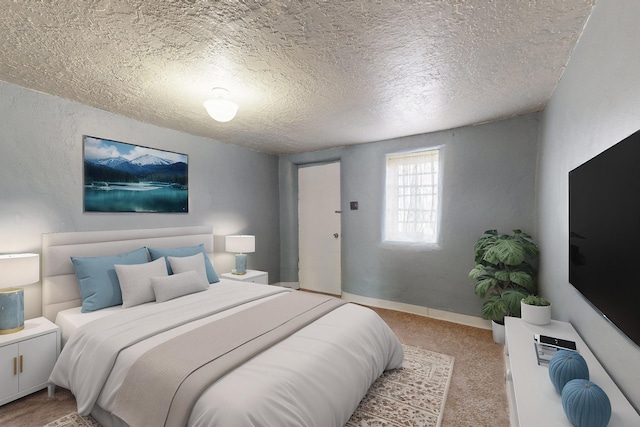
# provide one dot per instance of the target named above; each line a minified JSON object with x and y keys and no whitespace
{"x":535,"y":315}
{"x":498,"y":332}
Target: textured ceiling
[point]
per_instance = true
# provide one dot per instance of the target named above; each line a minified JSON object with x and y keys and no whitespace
{"x":307,"y":75}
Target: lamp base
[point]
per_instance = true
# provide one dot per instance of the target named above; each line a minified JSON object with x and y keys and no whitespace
{"x":11,"y":310}
{"x":241,"y":264}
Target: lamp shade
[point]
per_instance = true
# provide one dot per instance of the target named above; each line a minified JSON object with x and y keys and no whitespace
{"x":15,"y":270}
{"x":241,"y":244}
{"x":19,"y":270}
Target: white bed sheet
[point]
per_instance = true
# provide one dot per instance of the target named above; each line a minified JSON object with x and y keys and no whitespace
{"x":316,"y":377}
{"x":71,"y":319}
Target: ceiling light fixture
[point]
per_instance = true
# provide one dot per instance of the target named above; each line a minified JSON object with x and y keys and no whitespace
{"x":221,"y":108}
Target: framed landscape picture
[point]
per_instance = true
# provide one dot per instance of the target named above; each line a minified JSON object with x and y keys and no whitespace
{"x":121,"y":177}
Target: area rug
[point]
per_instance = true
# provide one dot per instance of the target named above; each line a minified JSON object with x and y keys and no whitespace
{"x":73,"y":420}
{"x":413,"y":395}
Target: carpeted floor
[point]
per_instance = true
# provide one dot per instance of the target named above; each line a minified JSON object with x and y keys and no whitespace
{"x":476,"y":397}
{"x":477,"y":393}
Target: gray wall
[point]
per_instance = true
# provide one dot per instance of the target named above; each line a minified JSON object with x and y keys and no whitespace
{"x":233,"y":189}
{"x":596,"y":104}
{"x":488,"y":182}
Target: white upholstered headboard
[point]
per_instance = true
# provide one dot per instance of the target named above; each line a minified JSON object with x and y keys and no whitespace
{"x":59,"y":283}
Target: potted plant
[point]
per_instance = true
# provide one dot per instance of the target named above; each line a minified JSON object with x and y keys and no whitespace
{"x":503,"y":275}
{"x":535,"y":310}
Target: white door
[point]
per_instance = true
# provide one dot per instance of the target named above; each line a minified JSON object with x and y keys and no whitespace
{"x":319,"y":267}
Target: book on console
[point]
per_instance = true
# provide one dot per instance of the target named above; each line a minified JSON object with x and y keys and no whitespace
{"x":546,"y":347}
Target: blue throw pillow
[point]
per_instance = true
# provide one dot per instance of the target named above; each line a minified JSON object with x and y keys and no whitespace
{"x":182,"y":252}
{"x":99,"y":285}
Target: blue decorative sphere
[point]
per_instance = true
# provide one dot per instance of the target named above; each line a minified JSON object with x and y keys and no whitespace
{"x":586,"y":404}
{"x":565,"y":366}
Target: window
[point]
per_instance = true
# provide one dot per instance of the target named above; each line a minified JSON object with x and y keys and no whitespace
{"x":412,"y":197}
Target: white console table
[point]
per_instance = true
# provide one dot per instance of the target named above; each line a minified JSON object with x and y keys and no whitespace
{"x":533,"y":400}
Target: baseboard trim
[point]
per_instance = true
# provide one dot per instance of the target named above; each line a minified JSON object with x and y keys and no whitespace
{"x":462,"y":319}
{"x":292,"y":285}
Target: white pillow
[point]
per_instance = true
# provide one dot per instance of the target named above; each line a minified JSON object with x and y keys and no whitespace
{"x":177,"y":285}
{"x":135,"y":281}
{"x":190,"y":263}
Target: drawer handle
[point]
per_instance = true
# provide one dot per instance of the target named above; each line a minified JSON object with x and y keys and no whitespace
{"x":20,"y":363}
{"x":15,"y":366}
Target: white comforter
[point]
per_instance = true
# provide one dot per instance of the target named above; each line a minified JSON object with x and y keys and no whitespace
{"x":316,"y":377}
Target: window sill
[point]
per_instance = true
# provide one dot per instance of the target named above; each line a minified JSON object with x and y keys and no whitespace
{"x":413,"y":246}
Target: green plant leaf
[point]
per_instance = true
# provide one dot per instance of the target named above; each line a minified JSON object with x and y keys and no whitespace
{"x":511,"y":299}
{"x":536,"y":301}
{"x":477,"y":272}
{"x":494,"y":308}
{"x":524,"y":279}
{"x":502,"y":275}
{"x":481,"y":246}
{"x":485,"y":286}
{"x":509,"y":252}
{"x":529,"y":246}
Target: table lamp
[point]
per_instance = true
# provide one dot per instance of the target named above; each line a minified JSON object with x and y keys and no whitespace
{"x":241,"y":245}
{"x":15,"y":270}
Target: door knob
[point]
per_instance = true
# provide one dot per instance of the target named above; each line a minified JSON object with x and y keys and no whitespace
{"x":336,"y":235}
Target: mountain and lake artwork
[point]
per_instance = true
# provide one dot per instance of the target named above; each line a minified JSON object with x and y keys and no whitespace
{"x":121,"y":177}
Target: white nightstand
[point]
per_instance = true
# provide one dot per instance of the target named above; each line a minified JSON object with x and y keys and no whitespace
{"x":254,"y":276}
{"x":27,"y":358}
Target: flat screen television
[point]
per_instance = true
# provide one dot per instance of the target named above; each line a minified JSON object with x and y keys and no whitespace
{"x":604,"y":233}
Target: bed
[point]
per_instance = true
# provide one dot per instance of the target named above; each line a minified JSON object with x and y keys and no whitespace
{"x":312,"y":369}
